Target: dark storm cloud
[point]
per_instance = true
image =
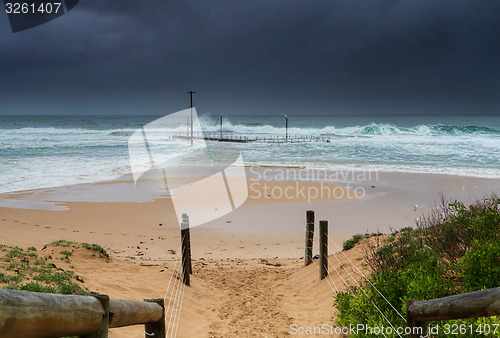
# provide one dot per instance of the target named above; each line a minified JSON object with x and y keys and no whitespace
{"x":257,"y":56}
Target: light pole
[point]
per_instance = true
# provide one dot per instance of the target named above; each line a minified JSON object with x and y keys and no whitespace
{"x":221,"y":125}
{"x":191,"y":95}
{"x":286,"y":128}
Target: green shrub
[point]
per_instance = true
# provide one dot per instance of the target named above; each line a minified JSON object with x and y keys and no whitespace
{"x":350,"y":243}
{"x":455,"y":249}
{"x":66,"y":254}
{"x":9,"y":278}
{"x":36,"y":287}
{"x":38,"y":274}
{"x":62,"y":243}
{"x":97,"y":248}
{"x":480,"y":265}
{"x":15,"y":252}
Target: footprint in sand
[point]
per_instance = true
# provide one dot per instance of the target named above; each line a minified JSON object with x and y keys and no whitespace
{"x":4,"y":219}
{"x":24,"y":223}
{"x":91,"y":232}
{"x":62,"y":229}
{"x":16,"y":221}
{"x":76,"y":231}
{"x":107,"y":233}
{"x":37,"y":225}
{"x":47,"y":227}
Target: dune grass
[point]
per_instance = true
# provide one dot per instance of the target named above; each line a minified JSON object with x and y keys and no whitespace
{"x":454,"y":249}
{"x":351,"y":242}
{"x":32,"y":270}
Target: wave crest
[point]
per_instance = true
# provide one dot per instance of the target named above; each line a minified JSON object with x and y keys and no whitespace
{"x":425,"y":130}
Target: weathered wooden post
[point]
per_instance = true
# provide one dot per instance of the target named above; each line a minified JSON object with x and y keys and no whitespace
{"x":185,"y":220}
{"x":103,"y":330}
{"x":323,"y":249}
{"x":190,"y":265}
{"x":156,"y":329}
{"x":186,"y":257}
{"x":418,"y":328}
{"x":309,"y":237}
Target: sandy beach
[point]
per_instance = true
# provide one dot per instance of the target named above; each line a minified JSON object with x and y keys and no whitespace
{"x":122,"y":123}
{"x":248,"y":275}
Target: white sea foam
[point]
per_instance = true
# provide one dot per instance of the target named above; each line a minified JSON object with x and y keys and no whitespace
{"x":40,"y":153}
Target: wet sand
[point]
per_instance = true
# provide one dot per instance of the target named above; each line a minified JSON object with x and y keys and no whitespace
{"x":249,"y":278}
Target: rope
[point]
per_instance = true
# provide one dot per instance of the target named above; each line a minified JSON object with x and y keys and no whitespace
{"x":173,"y":285}
{"x":347,"y":285}
{"x":173,"y":271}
{"x":177,"y":292}
{"x":366,"y":278}
{"x":362,"y":290}
{"x":182,"y":298}
{"x":328,"y":275}
{"x":327,"y":279}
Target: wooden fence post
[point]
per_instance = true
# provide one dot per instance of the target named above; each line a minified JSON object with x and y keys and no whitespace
{"x":323,"y":249}
{"x":309,"y":237}
{"x":188,"y":237}
{"x":414,"y":324}
{"x":185,"y":225}
{"x":156,"y":329}
{"x":103,"y":330}
{"x":186,"y":257}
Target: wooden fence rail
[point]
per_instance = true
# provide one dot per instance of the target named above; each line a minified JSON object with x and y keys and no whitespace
{"x":483,"y":303}
{"x":33,"y":314}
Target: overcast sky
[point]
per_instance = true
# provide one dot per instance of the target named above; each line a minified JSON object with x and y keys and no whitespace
{"x":257,"y":57}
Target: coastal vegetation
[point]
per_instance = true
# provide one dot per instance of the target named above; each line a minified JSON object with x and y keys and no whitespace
{"x":351,"y":242}
{"x":47,"y":270}
{"x":452,"y":250}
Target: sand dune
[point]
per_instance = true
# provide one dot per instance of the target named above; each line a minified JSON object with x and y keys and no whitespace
{"x":248,"y":278}
{"x":227,"y":298}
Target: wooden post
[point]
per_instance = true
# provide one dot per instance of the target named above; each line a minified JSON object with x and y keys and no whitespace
{"x":103,"y":330}
{"x":188,"y":237}
{"x":418,"y":328}
{"x":156,"y":329}
{"x":185,"y":225}
{"x":309,"y":237}
{"x":323,"y":249}
{"x":185,"y":249}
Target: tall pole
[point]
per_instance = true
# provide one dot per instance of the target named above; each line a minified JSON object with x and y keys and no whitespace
{"x":286,"y":128}
{"x":191,"y":95}
{"x":221,"y":125}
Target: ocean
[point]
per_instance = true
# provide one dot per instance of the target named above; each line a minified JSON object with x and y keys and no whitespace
{"x":51,"y":151}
